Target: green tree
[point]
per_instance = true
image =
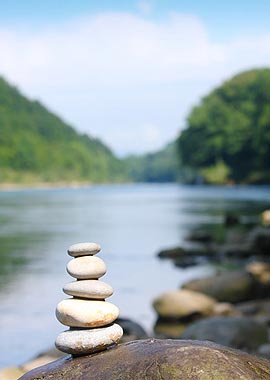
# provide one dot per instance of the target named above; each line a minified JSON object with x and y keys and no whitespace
{"x":36,"y":145}
{"x":231,"y":126}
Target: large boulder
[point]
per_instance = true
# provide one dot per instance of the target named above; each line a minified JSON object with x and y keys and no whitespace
{"x":178,"y":304}
{"x":231,"y":287}
{"x":158,"y":359}
{"x":236,"y":332}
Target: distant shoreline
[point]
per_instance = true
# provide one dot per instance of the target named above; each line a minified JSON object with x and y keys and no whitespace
{"x":43,"y":185}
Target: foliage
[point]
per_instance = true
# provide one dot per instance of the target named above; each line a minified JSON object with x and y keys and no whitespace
{"x":161,"y":166}
{"x":228,"y":134}
{"x":36,"y":145}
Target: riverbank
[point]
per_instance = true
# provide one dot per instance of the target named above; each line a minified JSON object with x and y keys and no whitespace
{"x":43,"y":185}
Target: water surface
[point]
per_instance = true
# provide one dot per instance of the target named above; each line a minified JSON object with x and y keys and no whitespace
{"x":131,"y":222}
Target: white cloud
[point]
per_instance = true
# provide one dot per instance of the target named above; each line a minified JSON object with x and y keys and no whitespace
{"x":114,"y":74}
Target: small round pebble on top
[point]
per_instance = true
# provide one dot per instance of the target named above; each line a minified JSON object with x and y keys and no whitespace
{"x":84,"y":249}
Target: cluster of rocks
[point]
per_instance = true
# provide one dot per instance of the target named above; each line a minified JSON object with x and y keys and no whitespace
{"x":88,"y":315}
{"x":235,"y":242}
{"x":225,"y":308}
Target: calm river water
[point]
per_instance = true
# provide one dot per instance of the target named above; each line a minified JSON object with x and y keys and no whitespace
{"x":131,"y":222}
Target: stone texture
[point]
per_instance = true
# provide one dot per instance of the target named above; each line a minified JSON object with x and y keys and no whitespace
{"x":158,"y":359}
{"x":83,"y":313}
{"x":86,"y":267}
{"x":82,"y":342}
{"x":183,"y":303}
{"x":232,"y":287}
{"x":83,"y":249}
{"x":88,"y":289}
{"x":236,"y":332}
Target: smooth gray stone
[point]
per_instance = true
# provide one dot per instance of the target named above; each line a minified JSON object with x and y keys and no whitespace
{"x":88,"y":289}
{"x":85,"y":313}
{"x":83,"y":249}
{"x":86,"y":267}
{"x":83,"y":342}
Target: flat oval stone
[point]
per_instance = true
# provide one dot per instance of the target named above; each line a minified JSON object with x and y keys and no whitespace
{"x":84,"y":342}
{"x":84,"y":313}
{"x":88,"y":289}
{"x":86,"y":267}
{"x":83,"y":249}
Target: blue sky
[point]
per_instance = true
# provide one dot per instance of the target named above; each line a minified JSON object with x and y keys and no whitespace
{"x":129,"y":71}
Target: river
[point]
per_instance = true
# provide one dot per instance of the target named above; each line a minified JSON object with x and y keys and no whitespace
{"x":131,"y":222}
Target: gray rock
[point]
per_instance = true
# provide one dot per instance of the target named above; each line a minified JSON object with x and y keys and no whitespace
{"x":236,"y":332}
{"x":84,"y":341}
{"x":231,"y":287}
{"x":264,"y":351}
{"x":88,"y":289}
{"x":257,"y":309}
{"x":158,"y":359}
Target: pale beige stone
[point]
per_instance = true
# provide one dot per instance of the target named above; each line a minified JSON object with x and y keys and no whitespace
{"x":182,"y":303}
{"x":86,"y":267}
{"x":83,"y":249}
{"x":84,"y":313}
{"x":88,"y":289}
{"x":265,"y":218}
{"x":83,"y":342}
{"x":225,"y":309}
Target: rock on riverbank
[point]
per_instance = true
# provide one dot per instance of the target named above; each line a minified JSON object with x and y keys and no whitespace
{"x":158,"y":359}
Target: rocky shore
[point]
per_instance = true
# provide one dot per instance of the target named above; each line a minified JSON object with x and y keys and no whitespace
{"x":231,"y":309}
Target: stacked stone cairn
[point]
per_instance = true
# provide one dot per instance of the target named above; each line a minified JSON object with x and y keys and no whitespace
{"x":88,"y":315}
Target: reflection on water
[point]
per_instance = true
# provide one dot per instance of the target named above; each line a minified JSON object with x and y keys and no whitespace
{"x":131,"y":222}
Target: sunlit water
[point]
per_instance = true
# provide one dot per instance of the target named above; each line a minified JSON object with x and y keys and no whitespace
{"x":131,"y":222}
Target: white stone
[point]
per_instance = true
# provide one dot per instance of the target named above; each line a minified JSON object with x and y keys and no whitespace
{"x":83,"y":342}
{"x":83,"y":249}
{"x":88,"y":289}
{"x":84,"y":313}
{"x":86,"y":267}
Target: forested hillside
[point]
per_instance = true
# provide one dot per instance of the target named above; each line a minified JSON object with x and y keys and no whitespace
{"x":228,"y":135}
{"x":36,"y":145}
{"x":161,"y":166}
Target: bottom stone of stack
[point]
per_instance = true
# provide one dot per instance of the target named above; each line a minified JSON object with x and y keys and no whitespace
{"x":88,"y":341}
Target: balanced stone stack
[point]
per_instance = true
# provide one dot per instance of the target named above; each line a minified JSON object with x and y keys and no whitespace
{"x":88,"y":315}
